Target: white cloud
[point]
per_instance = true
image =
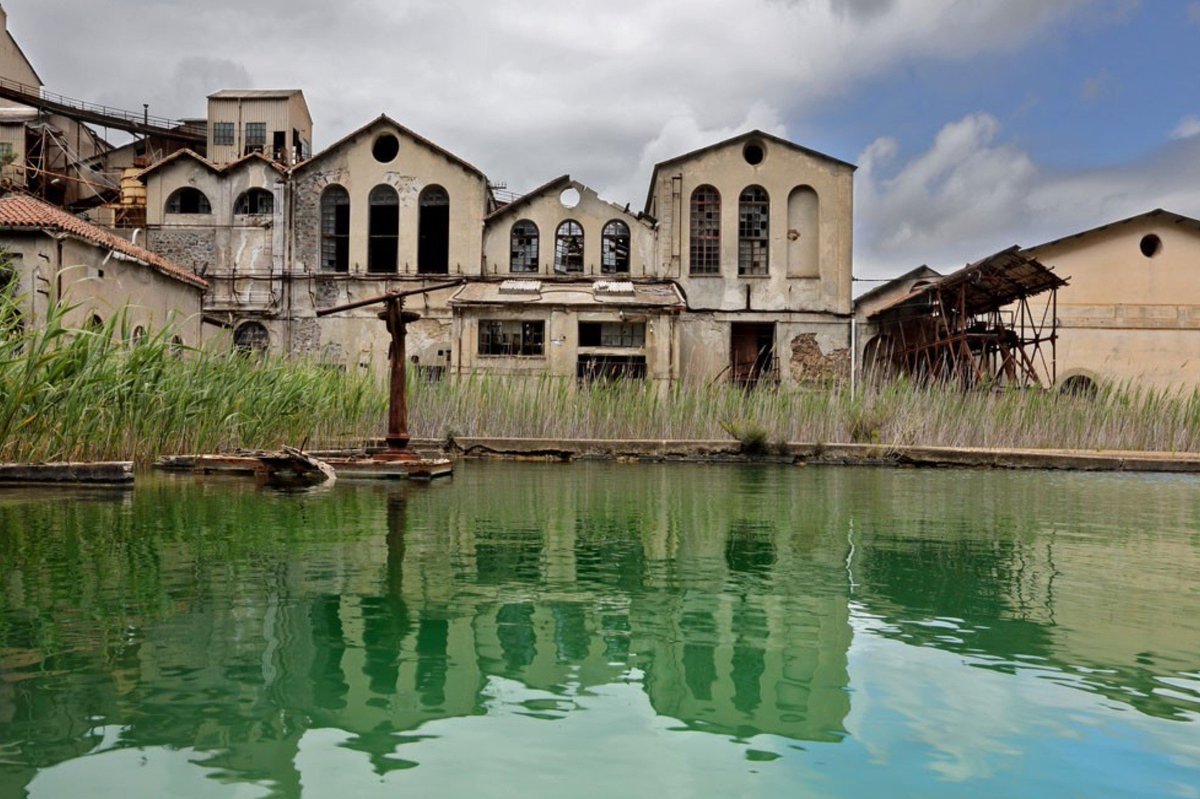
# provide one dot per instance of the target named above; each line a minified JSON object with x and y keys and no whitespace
{"x":525,"y":89}
{"x":1188,"y":126}
{"x":971,"y":194}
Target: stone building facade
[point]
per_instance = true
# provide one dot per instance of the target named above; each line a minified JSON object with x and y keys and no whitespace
{"x":385,"y":209}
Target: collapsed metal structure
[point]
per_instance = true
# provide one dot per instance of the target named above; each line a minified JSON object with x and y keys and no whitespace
{"x":977,"y":327}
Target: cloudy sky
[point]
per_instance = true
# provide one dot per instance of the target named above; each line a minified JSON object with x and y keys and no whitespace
{"x":976,"y":124}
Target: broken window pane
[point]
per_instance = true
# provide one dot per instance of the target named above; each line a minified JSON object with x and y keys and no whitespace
{"x":568,"y":247}
{"x":523,"y":253}
{"x":614,"y":256}
{"x":753,"y":231}
{"x":612,"y":334}
{"x":335,"y":230}
{"x":511,"y":337}
{"x":256,"y":135}
{"x":188,"y":201}
{"x":705,"y":248}
{"x":255,"y":201}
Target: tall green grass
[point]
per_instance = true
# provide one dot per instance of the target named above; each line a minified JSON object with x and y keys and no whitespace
{"x":68,"y":394}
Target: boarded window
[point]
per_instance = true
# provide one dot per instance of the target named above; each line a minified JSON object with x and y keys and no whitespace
{"x":433,"y":242}
{"x":705,"y":243}
{"x":222,"y":133}
{"x":614,"y":255}
{"x":753,"y":231}
{"x":524,"y":250}
{"x":568,"y":247}
{"x":254,"y":201}
{"x":511,"y":337}
{"x":188,"y":201}
{"x":383,"y":235}
{"x":335,"y":230}
{"x":612,"y":334}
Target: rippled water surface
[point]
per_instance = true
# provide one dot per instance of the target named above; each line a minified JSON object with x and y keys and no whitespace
{"x":606,"y":630}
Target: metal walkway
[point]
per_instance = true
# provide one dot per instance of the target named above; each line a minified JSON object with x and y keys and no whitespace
{"x":141,"y":123}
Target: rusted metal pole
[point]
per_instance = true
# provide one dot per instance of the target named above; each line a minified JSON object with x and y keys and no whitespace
{"x":397,"y":320}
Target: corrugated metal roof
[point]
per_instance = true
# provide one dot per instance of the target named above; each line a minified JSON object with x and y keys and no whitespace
{"x":21,"y":212}
{"x":989,"y":284}
{"x":254,"y":94}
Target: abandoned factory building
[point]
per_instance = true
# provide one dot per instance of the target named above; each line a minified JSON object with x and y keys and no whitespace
{"x":737,"y":268}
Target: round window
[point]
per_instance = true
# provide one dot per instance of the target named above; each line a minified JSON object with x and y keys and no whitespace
{"x":569,"y":198}
{"x":1151,"y":245}
{"x":386,"y":148}
{"x":754,"y":153}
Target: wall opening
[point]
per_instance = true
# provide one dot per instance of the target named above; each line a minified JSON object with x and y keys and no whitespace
{"x":385,"y":148}
{"x":614,"y":255}
{"x":433,"y":236}
{"x":335,"y":230}
{"x":188,"y":200}
{"x":383,"y":229}
{"x":1150,"y":245}
{"x":752,"y":353}
{"x":754,"y":210}
{"x":568,"y":247}
{"x":251,"y":337}
{"x":523,"y":252}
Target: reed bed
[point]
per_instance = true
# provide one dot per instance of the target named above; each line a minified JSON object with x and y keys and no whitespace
{"x":900,"y":413}
{"x":69,"y":394}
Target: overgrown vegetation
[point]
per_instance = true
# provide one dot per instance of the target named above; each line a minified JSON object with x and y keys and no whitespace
{"x":899,"y":413}
{"x":97,"y":394}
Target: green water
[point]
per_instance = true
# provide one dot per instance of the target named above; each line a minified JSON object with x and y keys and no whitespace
{"x":605,"y":630}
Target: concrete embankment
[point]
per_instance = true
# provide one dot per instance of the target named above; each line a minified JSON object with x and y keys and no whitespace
{"x":834,"y":454}
{"x":104,"y":473}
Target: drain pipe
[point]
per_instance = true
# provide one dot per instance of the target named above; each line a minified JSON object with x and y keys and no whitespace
{"x":853,"y":354}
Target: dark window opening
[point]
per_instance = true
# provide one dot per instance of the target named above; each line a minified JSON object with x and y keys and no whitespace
{"x":610,"y":367}
{"x":383,"y":233}
{"x":279,"y":145}
{"x":335,"y":230}
{"x":511,"y":337}
{"x":433,"y":231}
{"x":385,"y":148}
{"x":255,"y":201}
{"x":705,"y":247}
{"x":523,"y":256}
{"x":222,"y":133}
{"x":614,"y":255}
{"x":256,"y":137}
{"x":1080,"y":386}
{"x":251,"y":337}
{"x":754,"y":153}
{"x":753,"y":231}
{"x":568,"y":247}
{"x":1151,"y":245}
{"x":612,"y":334}
{"x":188,"y":201}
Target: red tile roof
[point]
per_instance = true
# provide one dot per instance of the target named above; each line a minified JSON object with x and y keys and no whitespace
{"x":22,"y":212}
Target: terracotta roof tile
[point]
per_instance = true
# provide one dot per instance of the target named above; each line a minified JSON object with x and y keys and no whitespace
{"x":21,"y":211}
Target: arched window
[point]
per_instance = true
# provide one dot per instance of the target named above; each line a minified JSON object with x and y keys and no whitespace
{"x":705,"y":243}
{"x":138,"y":336}
{"x":433,"y":231}
{"x":753,"y":231}
{"x":524,"y":247}
{"x":568,"y":247}
{"x":254,"y":201}
{"x":383,"y":233}
{"x":251,"y":337}
{"x":614,"y":253}
{"x":188,"y":201}
{"x":335,"y":229}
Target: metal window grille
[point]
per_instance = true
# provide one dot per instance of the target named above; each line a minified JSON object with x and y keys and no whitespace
{"x":614,"y":253}
{"x":568,"y":247}
{"x":223,"y":133}
{"x":753,"y":231}
{"x":705,"y":247}
{"x":523,"y":256}
{"x":256,"y":134}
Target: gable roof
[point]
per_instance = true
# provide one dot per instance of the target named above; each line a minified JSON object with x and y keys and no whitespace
{"x":1169,"y":217}
{"x":22,"y":212}
{"x":750,"y":134}
{"x":922,"y":271}
{"x":384,"y":119}
{"x":209,"y":165}
{"x":560,"y":182}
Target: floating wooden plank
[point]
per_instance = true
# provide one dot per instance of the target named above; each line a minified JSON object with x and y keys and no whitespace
{"x":108,"y":473}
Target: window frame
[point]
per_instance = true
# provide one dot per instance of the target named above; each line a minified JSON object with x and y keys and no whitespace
{"x":224,"y":134}
{"x":530,"y":341}
{"x":704,"y":241}
{"x":176,"y":205}
{"x":569,"y":248}
{"x":530,"y":247}
{"x":612,"y":260}
{"x":244,"y":200}
{"x":754,"y":232}
{"x":327,"y":231}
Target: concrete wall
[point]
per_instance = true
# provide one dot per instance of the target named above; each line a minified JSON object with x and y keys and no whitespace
{"x":101,"y":286}
{"x":548,"y":212}
{"x":1126,"y":316}
{"x":811,"y":215}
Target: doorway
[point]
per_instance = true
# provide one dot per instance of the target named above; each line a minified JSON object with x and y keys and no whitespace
{"x":752,"y":352}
